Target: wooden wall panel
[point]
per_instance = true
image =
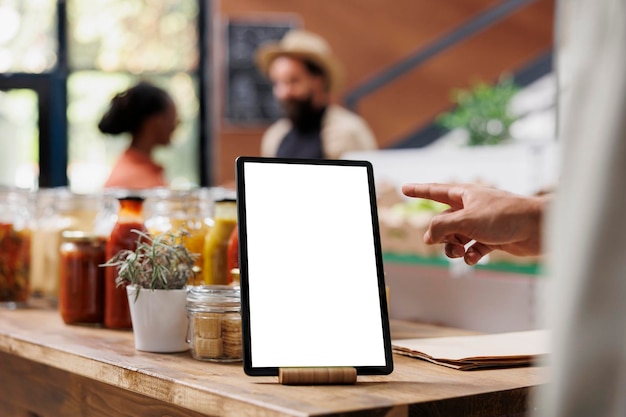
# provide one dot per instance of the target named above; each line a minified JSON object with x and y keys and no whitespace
{"x":416,"y":98}
{"x":370,"y":36}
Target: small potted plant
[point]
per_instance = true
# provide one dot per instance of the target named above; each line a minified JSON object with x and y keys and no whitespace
{"x":156,"y":276}
{"x":483,"y":111}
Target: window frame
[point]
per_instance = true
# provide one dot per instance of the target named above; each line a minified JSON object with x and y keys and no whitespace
{"x":51,"y":90}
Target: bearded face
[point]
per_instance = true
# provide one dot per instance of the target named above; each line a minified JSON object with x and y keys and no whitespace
{"x":302,"y":95}
{"x":301,"y":112}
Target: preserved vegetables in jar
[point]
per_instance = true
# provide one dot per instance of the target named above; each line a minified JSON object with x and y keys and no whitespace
{"x":81,"y":294}
{"x":15,"y":244}
{"x":130,"y":217}
{"x":14,"y":264}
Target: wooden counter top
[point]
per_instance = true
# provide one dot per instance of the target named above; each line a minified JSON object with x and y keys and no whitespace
{"x":48,"y":368}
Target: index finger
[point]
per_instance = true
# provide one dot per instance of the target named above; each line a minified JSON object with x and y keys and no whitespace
{"x":443,"y":193}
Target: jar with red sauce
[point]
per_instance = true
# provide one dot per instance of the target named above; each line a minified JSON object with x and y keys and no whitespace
{"x":130,"y":217}
{"x":81,"y":292}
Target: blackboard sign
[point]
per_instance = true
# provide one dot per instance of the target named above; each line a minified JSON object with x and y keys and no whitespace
{"x":249,"y":98}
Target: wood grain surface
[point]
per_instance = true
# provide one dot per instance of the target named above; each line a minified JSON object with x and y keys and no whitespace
{"x":48,"y":368}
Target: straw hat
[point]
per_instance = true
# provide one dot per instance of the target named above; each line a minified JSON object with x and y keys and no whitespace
{"x":306,"y":46}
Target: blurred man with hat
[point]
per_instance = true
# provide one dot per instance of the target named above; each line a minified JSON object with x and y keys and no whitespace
{"x":304,"y":73}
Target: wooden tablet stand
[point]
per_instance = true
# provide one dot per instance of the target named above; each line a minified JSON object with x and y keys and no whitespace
{"x":317,"y":376}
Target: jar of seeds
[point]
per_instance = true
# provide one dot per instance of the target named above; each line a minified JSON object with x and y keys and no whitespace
{"x":215,"y":323}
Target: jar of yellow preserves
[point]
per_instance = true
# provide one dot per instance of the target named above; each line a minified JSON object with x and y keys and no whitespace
{"x":215,"y":270}
{"x":170,"y":211}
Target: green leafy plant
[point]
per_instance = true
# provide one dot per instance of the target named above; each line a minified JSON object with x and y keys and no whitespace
{"x":483,"y":111}
{"x":158,"y":263}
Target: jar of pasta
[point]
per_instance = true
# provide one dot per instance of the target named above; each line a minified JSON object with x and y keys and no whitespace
{"x":215,"y":323}
{"x":15,"y":242}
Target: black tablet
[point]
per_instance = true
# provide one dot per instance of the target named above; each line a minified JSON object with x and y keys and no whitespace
{"x":312,"y":280}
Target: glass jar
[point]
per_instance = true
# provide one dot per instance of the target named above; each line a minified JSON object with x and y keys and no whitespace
{"x":58,"y":210}
{"x":81,"y":294}
{"x":169,"y":211}
{"x":215,"y":270}
{"x":15,"y":246}
{"x":200,"y":210}
{"x":164,"y":210}
{"x":214,"y":332}
{"x":130,"y":217}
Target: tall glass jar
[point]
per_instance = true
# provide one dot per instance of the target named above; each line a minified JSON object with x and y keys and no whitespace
{"x":201,"y":212}
{"x":58,"y":210}
{"x":169,"y":211}
{"x":130,"y":217}
{"x":215,"y":270}
{"x":15,"y":242}
{"x":215,"y":323}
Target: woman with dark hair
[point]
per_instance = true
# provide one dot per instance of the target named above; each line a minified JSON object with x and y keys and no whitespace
{"x":149,"y":115}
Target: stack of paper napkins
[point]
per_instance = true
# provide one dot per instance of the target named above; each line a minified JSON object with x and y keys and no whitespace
{"x":478,"y":352}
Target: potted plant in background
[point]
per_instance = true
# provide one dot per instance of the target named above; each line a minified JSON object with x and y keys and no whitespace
{"x":156,"y":276}
{"x":483,"y":111}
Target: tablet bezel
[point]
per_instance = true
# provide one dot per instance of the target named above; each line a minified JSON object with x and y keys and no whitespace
{"x":243,"y":263}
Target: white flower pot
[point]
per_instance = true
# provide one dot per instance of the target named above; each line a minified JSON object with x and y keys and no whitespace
{"x":159,"y":319}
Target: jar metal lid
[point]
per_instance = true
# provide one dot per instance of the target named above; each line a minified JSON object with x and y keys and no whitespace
{"x":226,"y":296}
{"x":203,"y":292}
{"x":79,"y":236}
{"x":131,"y":198}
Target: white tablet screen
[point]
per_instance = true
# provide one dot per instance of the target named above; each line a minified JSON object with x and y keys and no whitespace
{"x":312,"y":274}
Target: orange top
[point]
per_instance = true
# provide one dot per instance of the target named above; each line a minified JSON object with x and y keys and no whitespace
{"x":136,"y":170}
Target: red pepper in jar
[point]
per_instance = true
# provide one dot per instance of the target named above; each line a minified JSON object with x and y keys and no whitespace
{"x":232,"y":253}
